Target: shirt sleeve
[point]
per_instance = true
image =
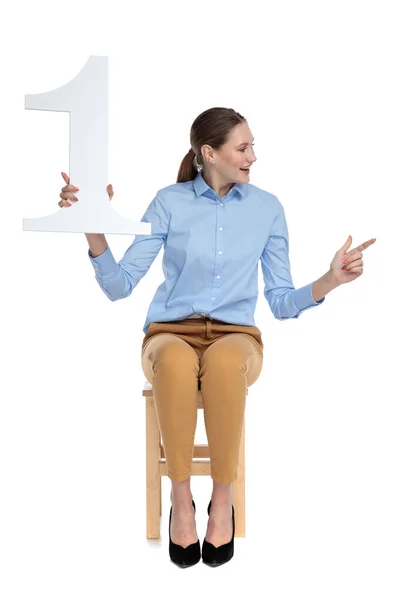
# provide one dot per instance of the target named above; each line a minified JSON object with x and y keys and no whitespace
{"x":118,"y":279}
{"x":284,"y":300}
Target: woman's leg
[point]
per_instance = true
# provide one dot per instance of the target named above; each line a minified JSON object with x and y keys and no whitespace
{"x":228,"y":366}
{"x":171,"y":366}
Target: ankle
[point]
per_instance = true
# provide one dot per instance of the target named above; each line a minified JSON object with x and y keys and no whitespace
{"x":221,"y":494}
{"x":181,"y":494}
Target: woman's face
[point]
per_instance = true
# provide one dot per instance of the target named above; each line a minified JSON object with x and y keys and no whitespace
{"x":233,"y":156}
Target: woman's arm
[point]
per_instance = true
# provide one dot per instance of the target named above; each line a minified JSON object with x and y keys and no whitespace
{"x":322,"y":286}
{"x":97,"y":243}
{"x":118,"y":279}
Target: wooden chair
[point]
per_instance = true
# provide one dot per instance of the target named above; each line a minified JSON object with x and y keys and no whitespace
{"x":156,"y":467}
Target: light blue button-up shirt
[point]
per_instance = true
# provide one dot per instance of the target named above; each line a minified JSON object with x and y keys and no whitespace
{"x":212,"y":246}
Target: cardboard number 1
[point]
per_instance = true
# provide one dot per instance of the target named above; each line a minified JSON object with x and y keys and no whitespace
{"x":86,"y":99}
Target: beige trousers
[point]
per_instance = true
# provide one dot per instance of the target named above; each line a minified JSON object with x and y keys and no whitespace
{"x":225,"y":359}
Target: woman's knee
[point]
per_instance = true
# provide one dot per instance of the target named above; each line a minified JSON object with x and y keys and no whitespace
{"x":239,"y":354}
{"x":228,"y":352}
{"x":173,"y":354}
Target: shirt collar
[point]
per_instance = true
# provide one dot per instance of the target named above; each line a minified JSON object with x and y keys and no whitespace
{"x":200,"y":186}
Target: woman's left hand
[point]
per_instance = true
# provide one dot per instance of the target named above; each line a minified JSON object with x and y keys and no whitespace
{"x":344,"y":272}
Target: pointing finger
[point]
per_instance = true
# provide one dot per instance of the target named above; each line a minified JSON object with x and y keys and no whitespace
{"x":366,"y":244}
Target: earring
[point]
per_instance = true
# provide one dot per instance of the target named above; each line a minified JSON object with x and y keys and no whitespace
{"x":213,"y":162}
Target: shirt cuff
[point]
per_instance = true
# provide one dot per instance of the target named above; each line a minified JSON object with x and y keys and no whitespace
{"x":305,"y":300}
{"x":312,"y":297}
{"x":104,"y":264}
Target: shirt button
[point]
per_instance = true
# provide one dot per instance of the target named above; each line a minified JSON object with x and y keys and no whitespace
{"x":213,"y":298}
{"x":218,"y":276}
{"x":221,"y":228}
{"x":220,"y":252}
{"x":222,"y":203}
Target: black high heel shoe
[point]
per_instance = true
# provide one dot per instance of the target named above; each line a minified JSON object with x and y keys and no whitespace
{"x":218,"y":555}
{"x":183,"y":557}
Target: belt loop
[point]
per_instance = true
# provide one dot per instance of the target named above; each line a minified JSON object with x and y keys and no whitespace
{"x":208,"y":325}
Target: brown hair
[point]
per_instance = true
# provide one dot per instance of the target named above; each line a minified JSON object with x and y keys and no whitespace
{"x":211,"y":127}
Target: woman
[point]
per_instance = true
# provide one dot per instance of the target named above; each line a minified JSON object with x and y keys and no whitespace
{"x":215,"y":227}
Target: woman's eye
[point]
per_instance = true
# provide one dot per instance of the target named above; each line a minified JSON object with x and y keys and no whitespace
{"x":245,"y":148}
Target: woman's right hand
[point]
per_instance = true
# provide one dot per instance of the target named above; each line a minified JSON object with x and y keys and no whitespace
{"x":68,"y":192}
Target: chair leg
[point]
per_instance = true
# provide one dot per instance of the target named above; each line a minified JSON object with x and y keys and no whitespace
{"x":153,"y":477}
{"x":239,"y":491}
{"x":160,"y":499}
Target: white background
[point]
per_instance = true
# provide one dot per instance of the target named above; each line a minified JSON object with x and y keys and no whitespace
{"x":318,"y":83}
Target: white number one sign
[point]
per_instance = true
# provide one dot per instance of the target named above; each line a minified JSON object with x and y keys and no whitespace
{"x":86,"y":99}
